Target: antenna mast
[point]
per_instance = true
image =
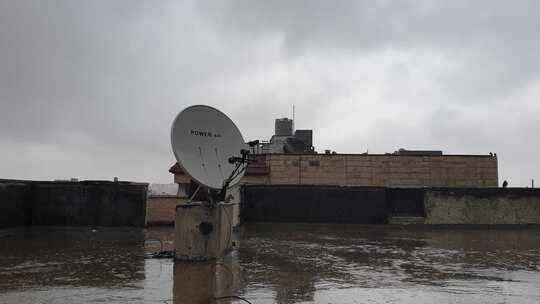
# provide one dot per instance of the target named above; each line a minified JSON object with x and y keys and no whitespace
{"x":293,"y":116}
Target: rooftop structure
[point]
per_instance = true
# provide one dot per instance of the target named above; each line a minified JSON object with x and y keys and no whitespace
{"x":290,"y":158}
{"x":287,"y":140}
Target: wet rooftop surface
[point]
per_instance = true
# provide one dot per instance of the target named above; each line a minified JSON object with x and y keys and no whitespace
{"x":276,"y":263}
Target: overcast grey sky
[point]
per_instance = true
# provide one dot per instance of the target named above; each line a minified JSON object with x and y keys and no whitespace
{"x":89,"y":89}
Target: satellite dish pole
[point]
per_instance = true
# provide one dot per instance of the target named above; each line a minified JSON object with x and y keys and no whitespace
{"x":211,"y":150}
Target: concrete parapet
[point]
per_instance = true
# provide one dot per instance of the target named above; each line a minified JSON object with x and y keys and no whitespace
{"x":315,"y":204}
{"x":377,"y":205}
{"x":492,"y":206}
{"x":89,"y":203}
{"x":406,"y":220}
{"x":85,"y":203}
{"x":15,"y":204}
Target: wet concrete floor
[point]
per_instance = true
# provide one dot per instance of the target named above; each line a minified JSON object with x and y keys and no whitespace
{"x":276,"y":263}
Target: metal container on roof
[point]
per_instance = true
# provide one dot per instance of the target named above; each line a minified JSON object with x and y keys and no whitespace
{"x":306,"y":136}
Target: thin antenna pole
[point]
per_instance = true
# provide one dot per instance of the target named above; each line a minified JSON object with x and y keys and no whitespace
{"x":293,"y":116}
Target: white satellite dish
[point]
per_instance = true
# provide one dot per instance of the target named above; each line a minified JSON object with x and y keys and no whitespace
{"x":203,"y":139}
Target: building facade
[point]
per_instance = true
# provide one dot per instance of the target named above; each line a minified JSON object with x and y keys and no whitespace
{"x":289,"y":158}
{"x":384,"y":170}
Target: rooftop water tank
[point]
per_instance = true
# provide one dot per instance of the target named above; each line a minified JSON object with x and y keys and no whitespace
{"x":284,"y":127}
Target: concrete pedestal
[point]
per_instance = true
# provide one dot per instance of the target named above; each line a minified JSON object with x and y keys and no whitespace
{"x":202,"y":232}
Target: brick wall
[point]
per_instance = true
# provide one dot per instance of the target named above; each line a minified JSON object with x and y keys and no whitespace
{"x":160,"y":210}
{"x":384,"y":170}
{"x":255,"y":179}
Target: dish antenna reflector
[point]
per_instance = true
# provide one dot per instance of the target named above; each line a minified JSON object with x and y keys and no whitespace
{"x":209,"y":147}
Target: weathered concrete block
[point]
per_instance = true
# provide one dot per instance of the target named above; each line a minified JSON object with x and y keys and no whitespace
{"x":202,"y":232}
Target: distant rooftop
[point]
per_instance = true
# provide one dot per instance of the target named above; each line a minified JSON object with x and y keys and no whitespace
{"x":163,"y":189}
{"x":418,"y":152}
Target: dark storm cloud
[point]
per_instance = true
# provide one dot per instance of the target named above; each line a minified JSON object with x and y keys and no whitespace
{"x":56,"y":60}
{"x":90,"y":88}
{"x":490,"y":43}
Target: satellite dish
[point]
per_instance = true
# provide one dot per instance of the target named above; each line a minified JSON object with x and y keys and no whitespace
{"x":203,"y":139}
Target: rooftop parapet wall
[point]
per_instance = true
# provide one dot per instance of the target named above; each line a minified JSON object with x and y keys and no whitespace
{"x":14,"y":203}
{"x":476,"y":171}
{"x":86,"y":203}
{"x":482,"y":206}
{"x":380,"y":170}
{"x":378,"y":205}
